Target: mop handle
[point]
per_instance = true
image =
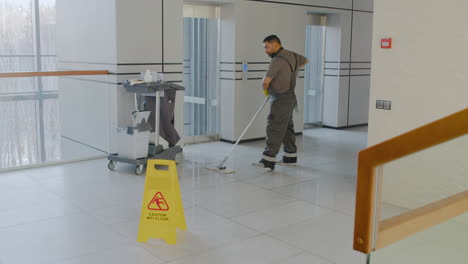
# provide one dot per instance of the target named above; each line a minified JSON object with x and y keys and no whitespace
{"x":245,"y":130}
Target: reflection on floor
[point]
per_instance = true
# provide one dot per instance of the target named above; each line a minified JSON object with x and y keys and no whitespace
{"x":84,"y":213}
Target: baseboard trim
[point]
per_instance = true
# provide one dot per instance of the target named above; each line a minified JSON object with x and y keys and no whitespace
{"x":250,"y":139}
{"x":345,"y":127}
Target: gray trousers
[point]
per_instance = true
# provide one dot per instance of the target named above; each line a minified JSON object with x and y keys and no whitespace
{"x":280,"y":128}
{"x":166,"y":121}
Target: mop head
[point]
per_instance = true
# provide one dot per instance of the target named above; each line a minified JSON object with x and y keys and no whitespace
{"x":221,"y":169}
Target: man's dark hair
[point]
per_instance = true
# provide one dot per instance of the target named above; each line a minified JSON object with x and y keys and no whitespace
{"x":271,"y":39}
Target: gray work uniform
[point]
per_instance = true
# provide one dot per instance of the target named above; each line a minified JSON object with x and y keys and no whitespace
{"x":166,"y":120}
{"x":283,"y":70}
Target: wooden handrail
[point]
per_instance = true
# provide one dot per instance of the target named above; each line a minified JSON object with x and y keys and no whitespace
{"x":401,"y":226}
{"x":427,"y":136}
{"x":50,"y":73}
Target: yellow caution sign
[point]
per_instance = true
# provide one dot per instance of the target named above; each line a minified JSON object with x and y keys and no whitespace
{"x":161,"y":210}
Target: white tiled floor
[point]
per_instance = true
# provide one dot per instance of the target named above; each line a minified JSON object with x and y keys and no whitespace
{"x":84,"y":213}
{"x":329,"y":236}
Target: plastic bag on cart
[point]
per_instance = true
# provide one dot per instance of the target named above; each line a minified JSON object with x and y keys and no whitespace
{"x":166,"y":128}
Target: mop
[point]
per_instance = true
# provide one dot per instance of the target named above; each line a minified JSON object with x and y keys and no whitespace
{"x":221,"y":167}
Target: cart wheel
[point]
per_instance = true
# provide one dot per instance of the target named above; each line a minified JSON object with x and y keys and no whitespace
{"x":139,"y":169}
{"x":179,"y":158}
{"x":111,"y":165}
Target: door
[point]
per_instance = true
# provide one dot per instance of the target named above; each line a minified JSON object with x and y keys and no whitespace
{"x":314,"y":72}
{"x":201,"y":76}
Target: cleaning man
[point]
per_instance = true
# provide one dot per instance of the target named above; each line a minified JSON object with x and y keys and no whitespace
{"x":279,"y":83}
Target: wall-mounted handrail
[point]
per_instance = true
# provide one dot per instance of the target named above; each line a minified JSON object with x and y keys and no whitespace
{"x":50,"y":73}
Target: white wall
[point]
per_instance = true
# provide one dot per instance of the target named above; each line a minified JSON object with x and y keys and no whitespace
{"x":140,"y":46}
{"x":254,"y":20}
{"x":228,"y":40}
{"x":249,"y":47}
{"x":323,"y":3}
{"x":136,"y":37}
{"x":335,"y":104}
{"x":86,"y":40}
{"x":425,"y":76}
{"x":367,"y":5}
{"x":347,"y":68}
{"x":360,"y":68}
{"x":121,"y":36}
{"x":80,"y":23}
{"x":201,"y":10}
{"x":139,"y":32}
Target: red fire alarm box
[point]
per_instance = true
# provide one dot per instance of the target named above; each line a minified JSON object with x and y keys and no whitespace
{"x":386,"y":43}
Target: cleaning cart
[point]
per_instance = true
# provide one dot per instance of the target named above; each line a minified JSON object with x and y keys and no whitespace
{"x":133,"y":142}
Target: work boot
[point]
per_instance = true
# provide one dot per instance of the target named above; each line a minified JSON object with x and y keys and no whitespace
{"x":264,"y":164}
{"x":289,"y":159}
